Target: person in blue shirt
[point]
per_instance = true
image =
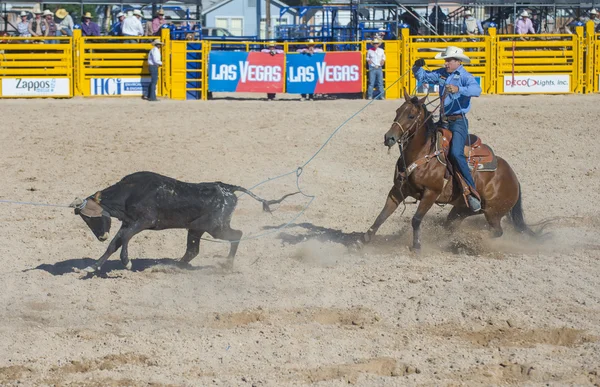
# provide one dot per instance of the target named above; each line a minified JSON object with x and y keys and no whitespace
{"x":117,"y":28}
{"x":456,"y":86}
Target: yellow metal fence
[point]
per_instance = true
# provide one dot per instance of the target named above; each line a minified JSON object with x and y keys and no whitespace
{"x":117,"y":66}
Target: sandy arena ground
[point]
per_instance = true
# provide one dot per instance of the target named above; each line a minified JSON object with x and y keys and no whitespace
{"x":300,"y":307}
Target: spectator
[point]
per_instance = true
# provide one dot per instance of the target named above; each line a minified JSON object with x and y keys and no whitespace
{"x":154,"y":62}
{"x":271,"y":49}
{"x":471,"y":25}
{"x":309,"y":50}
{"x":411,"y":18}
{"x":535,"y":22}
{"x":50,"y":25}
{"x":594,"y":17}
{"x":375,"y":61}
{"x":117,"y":28}
{"x":23,"y":25}
{"x":524,"y":25}
{"x":65,"y":27}
{"x":132,"y":26}
{"x":437,"y":18}
{"x":88,"y":27}
{"x":38,"y":26}
{"x":157,"y":22}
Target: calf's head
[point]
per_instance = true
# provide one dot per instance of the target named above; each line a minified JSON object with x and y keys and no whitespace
{"x":97,"y":219}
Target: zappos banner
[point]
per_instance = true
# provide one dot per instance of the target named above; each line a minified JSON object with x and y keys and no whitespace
{"x":246,"y":72}
{"x":336,"y":72}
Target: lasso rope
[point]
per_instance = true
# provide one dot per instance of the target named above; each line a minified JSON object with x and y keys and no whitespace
{"x":298,"y":171}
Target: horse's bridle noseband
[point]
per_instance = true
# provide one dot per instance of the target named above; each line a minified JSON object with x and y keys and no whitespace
{"x":405,"y":133}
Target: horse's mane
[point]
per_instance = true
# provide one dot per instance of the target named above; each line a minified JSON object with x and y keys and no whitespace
{"x":430,"y":127}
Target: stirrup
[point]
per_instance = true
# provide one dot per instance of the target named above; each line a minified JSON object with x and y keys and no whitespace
{"x":474,"y":203}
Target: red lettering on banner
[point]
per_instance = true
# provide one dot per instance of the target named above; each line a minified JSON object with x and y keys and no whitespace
{"x":261,"y":73}
{"x":340,"y":72}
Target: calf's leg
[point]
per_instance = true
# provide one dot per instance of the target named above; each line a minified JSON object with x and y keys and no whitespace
{"x":229,"y":234}
{"x":193,"y":245}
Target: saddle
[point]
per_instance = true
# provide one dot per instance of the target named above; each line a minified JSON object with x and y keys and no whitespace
{"x":480,"y":156}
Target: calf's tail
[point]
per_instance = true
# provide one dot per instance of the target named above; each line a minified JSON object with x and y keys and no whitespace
{"x":265,"y":203}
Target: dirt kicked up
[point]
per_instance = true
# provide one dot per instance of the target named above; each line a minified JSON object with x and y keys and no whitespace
{"x":299,"y":307}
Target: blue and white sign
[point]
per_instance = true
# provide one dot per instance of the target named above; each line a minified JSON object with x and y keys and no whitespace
{"x":119,"y":86}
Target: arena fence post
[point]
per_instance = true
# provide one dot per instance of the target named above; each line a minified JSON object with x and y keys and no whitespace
{"x":405,"y":59}
{"x":492,"y":60}
{"x":165,"y":84}
{"x":590,"y":55}
{"x":579,"y":67}
{"x":77,"y":65}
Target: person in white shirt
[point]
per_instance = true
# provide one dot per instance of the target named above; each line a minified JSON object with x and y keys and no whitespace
{"x":132,"y":26}
{"x":154,"y":62}
{"x":375,"y":60}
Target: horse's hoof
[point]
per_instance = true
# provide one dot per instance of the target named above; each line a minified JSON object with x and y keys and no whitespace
{"x":415,"y":250}
{"x":90,"y":269}
{"x":128,"y":266}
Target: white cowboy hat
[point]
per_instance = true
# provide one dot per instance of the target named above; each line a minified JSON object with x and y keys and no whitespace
{"x":453,"y":52}
{"x":375,"y":41}
{"x":137,"y":12}
{"x":47,"y":12}
{"x":23,"y":13}
{"x":468,"y":12}
{"x":157,"y":42}
{"x":524,"y":14}
{"x":593,"y":11}
{"x":160,"y":12}
{"x":311,"y":42}
{"x":61,"y":13}
{"x":271,"y":44}
{"x":120,"y":14}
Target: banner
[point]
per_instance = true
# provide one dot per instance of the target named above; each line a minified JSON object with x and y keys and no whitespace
{"x":258,"y":72}
{"x":527,"y":84}
{"x":333,"y":72}
{"x":119,"y":86}
{"x":36,"y":87}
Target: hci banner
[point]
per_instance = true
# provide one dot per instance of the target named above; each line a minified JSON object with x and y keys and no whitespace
{"x":246,"y":71}
{"x":333,"y":72}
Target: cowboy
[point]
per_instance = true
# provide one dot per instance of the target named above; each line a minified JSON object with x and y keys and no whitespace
{"x":524,"y":25}
{"x":309,"y":50}
{"x":158,"y":21}
{"x":272,"y":50}
{"x":471,"y":25}
{"x":65,"y":27}
{"x":117,"y":28}
{"x":594,"y":17}
{"x":88,"y":27}
{"x":38,"y":26}
{"x":457,"y":86}
{"x":51,"y":26}
{"x":375,"y":60}
{"x":132,"y":26}
{"x":154,"y":62}
{"x":23,"y":25}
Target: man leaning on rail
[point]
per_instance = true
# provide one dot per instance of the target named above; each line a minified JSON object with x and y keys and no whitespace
{"x":457,"y":86}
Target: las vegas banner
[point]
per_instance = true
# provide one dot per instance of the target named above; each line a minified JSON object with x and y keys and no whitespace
{"x":246,"y":72}
{"x":336,"y":72}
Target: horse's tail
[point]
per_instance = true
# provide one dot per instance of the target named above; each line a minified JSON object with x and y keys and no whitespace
{"x":265,"y":203}
{"x":518,"y":219}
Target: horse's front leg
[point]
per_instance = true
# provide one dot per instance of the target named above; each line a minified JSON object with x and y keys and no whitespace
{"x":394,"y":198}
{"x":425,"y":204}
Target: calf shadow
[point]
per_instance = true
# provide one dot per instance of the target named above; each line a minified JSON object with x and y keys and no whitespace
{"x":140,"y":264}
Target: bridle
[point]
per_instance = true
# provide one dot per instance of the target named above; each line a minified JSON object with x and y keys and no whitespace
{"x":406,"y":134}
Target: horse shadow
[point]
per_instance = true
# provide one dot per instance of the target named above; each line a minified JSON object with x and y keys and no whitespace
{"x":325,"y":234}
{"x":76,"y":265}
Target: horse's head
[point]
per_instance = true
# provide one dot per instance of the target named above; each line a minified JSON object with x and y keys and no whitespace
{"x":408,"y":119}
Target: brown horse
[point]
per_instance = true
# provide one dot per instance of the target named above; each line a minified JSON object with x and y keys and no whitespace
{"x":420,"y":175}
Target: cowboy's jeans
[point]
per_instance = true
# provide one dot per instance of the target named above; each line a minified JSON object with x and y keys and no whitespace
{"x":375,"y":79}
{"x":459,"y":129}
{"x":153,"y":81}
